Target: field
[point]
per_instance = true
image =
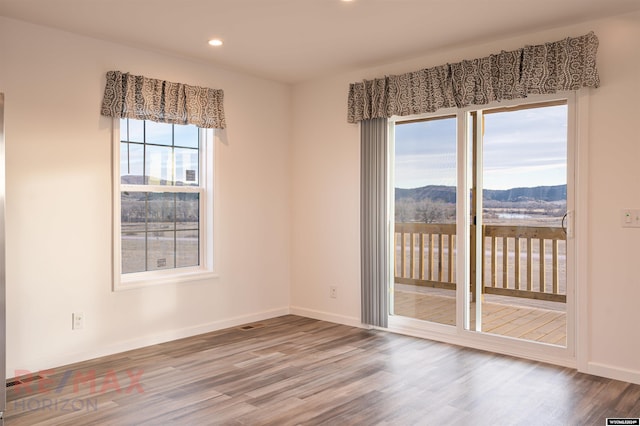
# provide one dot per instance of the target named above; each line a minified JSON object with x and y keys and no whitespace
{"x":159,"y":248}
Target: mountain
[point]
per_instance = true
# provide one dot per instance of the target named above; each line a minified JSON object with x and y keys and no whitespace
{"x":447,"y":194}
{"x":143,"y":180}
{"x":132,"y":180}
{"x":537,"y":193}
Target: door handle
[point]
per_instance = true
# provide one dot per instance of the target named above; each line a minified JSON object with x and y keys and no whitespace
{"x":567,"y":224}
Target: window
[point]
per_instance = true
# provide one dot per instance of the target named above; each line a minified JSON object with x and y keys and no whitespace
{"x":163,"y":202}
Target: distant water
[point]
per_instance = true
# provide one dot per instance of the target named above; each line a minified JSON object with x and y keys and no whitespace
{"x":513,"y":216}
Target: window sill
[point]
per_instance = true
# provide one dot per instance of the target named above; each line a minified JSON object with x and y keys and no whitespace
{"x":156,"y":278}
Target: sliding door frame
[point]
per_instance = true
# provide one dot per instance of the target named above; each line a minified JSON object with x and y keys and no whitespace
{"x":575,"y":353}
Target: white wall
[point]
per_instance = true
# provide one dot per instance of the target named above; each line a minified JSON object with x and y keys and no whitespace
{"x":325,"y":157}
{"x":289,"y":212}
{"x":58,"y":196}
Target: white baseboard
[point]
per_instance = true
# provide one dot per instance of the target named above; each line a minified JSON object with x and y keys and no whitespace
{"x":55,"y":362}
{"x":611,"y":372}
{"x":326,"y":316}
{"x":598,"y":369}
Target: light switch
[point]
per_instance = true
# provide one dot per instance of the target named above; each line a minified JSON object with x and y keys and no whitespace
{"x":630,"y":218}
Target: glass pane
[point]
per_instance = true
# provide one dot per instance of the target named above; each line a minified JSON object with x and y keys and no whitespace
{"x":524,"y":198}
{"x":161,"y":211}
{"x":187,"y":211}
{"x":158,"y":133}
{"x":187,"y":172}
{"x":160,"y":250}
{"x":124,"y":130}
{"x":187,"y":248}
{"x":186,"y":136}
{"x":425,"y":220}
{"x":525,"y":166}
{"x":124,"y":161}
{"x":158,"y":165}
{"x":136,"y":131}
{"x":133,"y":252}
{"x":149,"y":219}
{"x":131,"y":163}
{"x":133,"y":211}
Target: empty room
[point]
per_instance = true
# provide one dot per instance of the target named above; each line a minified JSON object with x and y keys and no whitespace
{"x":285,"y":212}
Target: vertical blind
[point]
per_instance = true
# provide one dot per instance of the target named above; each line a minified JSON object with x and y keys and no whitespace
{"x":374,"y":236}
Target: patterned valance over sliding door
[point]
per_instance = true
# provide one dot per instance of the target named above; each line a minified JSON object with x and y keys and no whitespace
{"x":568,"y":64}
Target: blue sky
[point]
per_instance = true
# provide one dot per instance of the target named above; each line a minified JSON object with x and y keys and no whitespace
{"x":523,"y":148}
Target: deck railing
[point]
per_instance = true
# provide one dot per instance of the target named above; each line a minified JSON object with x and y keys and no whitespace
{"x":518,"y":261}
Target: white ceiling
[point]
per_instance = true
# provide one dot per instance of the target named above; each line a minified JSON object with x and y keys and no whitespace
{"x":296,"y":40}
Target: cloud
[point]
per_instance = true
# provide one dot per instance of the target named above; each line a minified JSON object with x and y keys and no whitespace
{"x":520,"y":149}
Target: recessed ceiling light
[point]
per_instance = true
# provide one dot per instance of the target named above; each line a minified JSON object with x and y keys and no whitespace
{"x":215,"y":42}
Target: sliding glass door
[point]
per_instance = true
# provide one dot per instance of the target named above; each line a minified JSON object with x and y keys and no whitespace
{"x":482,"y":202}
{"x":424,"y":284}
{"x":518,"y":222}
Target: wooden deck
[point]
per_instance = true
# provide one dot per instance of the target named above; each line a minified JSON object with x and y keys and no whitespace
{"x":531,"y":320}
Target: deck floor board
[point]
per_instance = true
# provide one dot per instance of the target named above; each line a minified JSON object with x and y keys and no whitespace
{"x":504,"y":316}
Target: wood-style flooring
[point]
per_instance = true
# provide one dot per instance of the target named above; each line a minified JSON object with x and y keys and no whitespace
{"x":298,"y":371}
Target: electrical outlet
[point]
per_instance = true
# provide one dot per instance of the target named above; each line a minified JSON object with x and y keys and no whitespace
{"x":333,"y":292}
{"x":77,"y":321}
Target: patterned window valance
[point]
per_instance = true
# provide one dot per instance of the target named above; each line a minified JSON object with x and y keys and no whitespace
{"x":567,"y":64}
{"x":134,"y":96}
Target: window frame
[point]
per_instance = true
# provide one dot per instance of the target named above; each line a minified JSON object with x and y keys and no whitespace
{"x":577,"y":202}
{"x":206,"y":268}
